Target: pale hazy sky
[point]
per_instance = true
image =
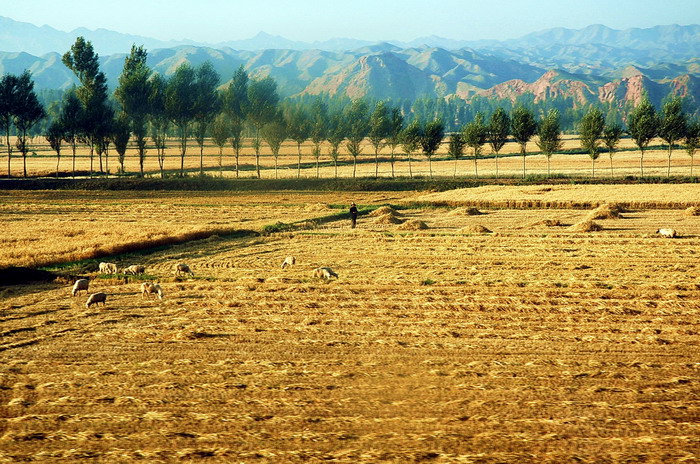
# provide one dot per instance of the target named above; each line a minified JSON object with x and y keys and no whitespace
{"x":308,"y":20}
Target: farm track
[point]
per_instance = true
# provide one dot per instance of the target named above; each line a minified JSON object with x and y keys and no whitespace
{"x":531,"y":344}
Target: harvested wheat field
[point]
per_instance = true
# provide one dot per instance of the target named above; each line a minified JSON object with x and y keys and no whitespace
{"x":626,"y":162}
{"x":533,"y":343}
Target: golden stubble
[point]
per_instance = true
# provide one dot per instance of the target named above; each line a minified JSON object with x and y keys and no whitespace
{"x":529,"y":343}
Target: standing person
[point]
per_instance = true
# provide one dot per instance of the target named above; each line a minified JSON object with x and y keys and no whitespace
{"x":353,"y":215}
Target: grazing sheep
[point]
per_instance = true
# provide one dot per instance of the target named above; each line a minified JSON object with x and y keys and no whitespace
{"x":80,"y":285}
{"x":668,"y":233}
{"x":182,"y":268}
{"x":324,"y":273}
{"x":289,"y":261}
{"x":108,"y":268}
{"x":148,"y":289}
{"x":96,"y":298}
{"x":135,"y":269}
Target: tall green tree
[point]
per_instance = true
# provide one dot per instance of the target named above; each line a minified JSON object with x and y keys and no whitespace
{"x":410,"y":141}
{"x":92,"y":93}
{"x":70,"y":118}
{"x":206,"y":106}
{"x":158,"y":118}
{"x":8,"y":97}
{"x":692,"y":141}
{"x":299,"y":130}
{"x":672,"y":125}
{"x":430,"y":140}
{"x":180,"y":105}
{"x":133,"y":95}
{"x":335,"y":134}
{"x":236,"y":105}
{"x":319,"y":129}
{"x":27,"y":112}
{"x":379,"y":130}
{"x":590,"y":130}
{"x":475,"y":135}
{"x":357,"y":123}
{"x":121,"y":133}
{"x":498,"y":131}
{"x":611,"y":139}
{"x":275,"y":133}
{"x":263,"y":101}
{"x":523,"y":127}
{"x":549,"y":135}
{"x":455,"y":148}
{"x":220,"y":131}
{"x":396,"y":122}
{"x":54,"y":135}
{"x":643,"y":126}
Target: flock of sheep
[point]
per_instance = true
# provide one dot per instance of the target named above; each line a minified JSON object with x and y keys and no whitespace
{"x":151,"y":288}
{"x":147,"y":288}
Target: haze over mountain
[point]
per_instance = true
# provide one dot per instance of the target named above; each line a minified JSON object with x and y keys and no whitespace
{"x":591,"y":64}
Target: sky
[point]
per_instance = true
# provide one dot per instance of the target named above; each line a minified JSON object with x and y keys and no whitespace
{"x":215,"y":21}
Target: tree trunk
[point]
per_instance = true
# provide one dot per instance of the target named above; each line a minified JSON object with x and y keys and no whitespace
{"x":641,"y":163}
{"x":221,"y":162}
{"x":496,"y":164}
{"x":73,"y":145}
{"x":430,"y":166}
{"x":593,"y":167}
{"x":335,"y":163}
{"x":237,"y":163}
{"x":58,"y":161}
{"x":299,"y":161}
{"x":275,"y":166}
{"x":9,"y":150}
{"x":668,"y":173}
{"x":455,"y":173}
{"x":612,"y":171}
{"x":354,"y":166}
{"x":257,"y":150}
{"x":549,"y":163}
{"x":522,"y":151}
{"x":691,"y":166}
{"x":376,"y":164}
{"x":392,"y":162}
{"x":92,"y":157}
{"x":24,"y":162}
{"x":476,"y":167}
{"x":257,"y":163}
{"x":410,"y":169}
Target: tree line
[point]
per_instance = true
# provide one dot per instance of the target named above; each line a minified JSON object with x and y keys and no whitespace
{"x":147,"y":109}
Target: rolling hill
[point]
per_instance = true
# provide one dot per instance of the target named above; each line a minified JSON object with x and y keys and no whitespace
{"x":592,"y":64}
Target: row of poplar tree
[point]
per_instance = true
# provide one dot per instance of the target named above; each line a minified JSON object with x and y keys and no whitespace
{"x":190,"y":104}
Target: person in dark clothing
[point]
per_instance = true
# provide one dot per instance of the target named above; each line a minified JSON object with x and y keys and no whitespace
{"x":353,"y":215}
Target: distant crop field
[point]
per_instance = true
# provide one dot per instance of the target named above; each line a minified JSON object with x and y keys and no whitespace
{"x":624,"y":163}
{"x":452,"y":334}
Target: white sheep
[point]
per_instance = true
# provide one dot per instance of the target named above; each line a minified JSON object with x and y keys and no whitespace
{"x":668,"y":233}
{"x":80,"y":285}
{"x":324,"y":273}
{"x":289,"y":261}
{"x":96,"y":298}
{"x":182,"y":268}
{"x":148,"y":289}
{"x":108,"y":268}
{"x":135,"y":269}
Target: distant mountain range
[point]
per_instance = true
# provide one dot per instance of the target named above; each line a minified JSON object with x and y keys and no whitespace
{"x":591,"y":64}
